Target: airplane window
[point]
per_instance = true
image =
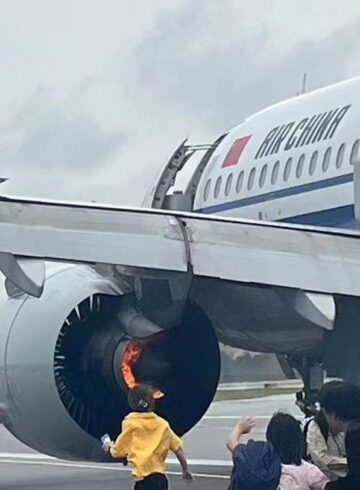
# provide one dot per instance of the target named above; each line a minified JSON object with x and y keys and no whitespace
{"x":275,"y":172}
{"x":207,"y":190}
{"x":300,"y":166}
{"x":251,"y":179}
{"x":326,"y":160}
{"x":263,"y":175}
{"x":313,"y":162}
{"x":228,"y":184}
{"x":217,"y":188}
{"x":239,"y":182}
{"x":354,"y":152}
{"x":340,"y":156}
{"x":287,"y":169}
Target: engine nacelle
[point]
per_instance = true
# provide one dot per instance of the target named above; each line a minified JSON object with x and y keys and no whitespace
{"x":61,"y":384}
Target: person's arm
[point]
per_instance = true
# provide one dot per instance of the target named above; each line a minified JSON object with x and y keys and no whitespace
{"x":316,"y":478}
{"x":176,"y":446}
{"x":187,"y":475}
{"x":243,"y":427}
{"x":317,"y":447}
{"x":119,"y":448}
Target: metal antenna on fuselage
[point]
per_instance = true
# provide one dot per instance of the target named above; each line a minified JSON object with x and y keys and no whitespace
{"x":303,"y":85}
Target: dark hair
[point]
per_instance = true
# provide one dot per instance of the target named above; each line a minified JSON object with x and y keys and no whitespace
{"x":285,"y":434}
{"x":141,"y":399}
{"x":328,"y":388}
{"x":341,"y":400}
{"x":323,"y":424}
{"x":319,"y":417}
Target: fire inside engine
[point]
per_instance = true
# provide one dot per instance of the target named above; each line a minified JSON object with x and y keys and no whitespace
{"x":131,"y":356}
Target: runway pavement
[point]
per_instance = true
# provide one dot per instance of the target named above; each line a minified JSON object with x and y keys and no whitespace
{"x":24,"y":469}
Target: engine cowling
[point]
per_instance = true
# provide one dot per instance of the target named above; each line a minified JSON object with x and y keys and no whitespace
{"x":62,"y":385}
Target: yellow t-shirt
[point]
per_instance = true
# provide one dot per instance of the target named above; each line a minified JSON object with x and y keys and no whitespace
{"x":145,"y":441}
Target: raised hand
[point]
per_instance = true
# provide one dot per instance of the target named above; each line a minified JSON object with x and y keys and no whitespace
{"x":246,"y":425}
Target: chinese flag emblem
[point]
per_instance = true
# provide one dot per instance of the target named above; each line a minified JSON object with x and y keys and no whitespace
{"x":234,"y":154}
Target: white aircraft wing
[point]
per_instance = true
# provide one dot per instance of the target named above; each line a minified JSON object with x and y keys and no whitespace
{"x":309,"y":258}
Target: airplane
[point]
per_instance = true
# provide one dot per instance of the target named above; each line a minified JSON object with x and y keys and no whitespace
{"x":259,"y":250}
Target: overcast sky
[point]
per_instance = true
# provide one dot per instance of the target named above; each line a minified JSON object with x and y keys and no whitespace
{"x":96,"y":94}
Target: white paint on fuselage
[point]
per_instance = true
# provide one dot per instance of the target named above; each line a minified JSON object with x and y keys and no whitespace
{"x":300,"y":196}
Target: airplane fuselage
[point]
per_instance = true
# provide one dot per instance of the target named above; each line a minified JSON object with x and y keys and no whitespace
{"x":292,"y":162}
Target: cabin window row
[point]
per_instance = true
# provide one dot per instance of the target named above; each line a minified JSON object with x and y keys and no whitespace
{"x":292,"y":167}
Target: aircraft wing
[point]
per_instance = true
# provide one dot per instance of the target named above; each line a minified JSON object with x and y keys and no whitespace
{"x":304,"y":257}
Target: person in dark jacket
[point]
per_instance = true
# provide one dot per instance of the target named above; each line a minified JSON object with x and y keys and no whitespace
{"x":256,"y":464}
{"x":342,"y":406}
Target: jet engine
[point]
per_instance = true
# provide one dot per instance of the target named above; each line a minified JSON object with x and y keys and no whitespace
{"x":69,"y":358}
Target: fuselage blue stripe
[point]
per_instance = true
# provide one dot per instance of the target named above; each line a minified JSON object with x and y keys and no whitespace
{"x":270,"y":196}
{"x":341,"y":217}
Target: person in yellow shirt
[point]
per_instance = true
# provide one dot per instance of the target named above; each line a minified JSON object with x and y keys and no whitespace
{"x":145,"y":441}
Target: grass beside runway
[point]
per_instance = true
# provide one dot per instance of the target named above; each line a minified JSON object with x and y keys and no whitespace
{"x":251,"y":393}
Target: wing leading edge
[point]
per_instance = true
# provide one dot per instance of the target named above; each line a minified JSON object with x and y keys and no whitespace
{"x":309,"y":258}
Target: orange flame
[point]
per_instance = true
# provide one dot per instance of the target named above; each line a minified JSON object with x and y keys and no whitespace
{"x":131,"y":356}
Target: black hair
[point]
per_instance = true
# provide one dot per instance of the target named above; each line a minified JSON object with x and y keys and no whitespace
{"x":341,"y":400}
{"x":323,"y":424}
{"x":285,"y":434}
{"x":141,"y":399}
{"x":319,"y":417}
{"x":328,"y":388}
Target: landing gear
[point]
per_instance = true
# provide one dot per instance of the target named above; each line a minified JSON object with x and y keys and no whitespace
{"x":340,"y":356}
{"x":311,"y":370}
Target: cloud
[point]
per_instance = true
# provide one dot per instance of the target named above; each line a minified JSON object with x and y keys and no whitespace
{"x":98,"y":97}
{"x":45,"y":135}
{"x":225,"y":75}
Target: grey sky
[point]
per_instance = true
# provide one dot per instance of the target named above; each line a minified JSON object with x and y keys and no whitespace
{"x":95,"y":95}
